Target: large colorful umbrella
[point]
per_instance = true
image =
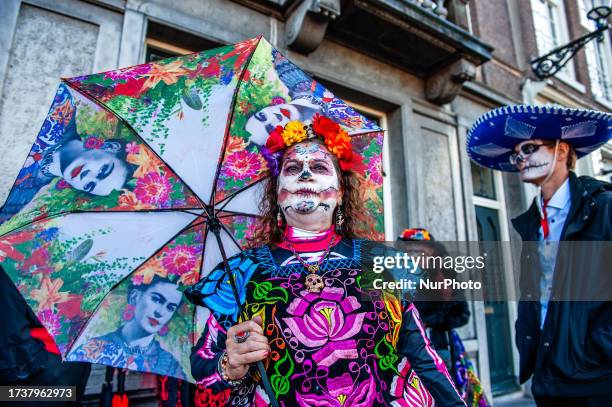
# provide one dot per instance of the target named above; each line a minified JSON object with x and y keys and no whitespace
{"x":137,"y":180}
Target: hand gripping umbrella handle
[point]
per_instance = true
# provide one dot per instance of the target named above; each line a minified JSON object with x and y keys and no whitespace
{"x":216,"y":229}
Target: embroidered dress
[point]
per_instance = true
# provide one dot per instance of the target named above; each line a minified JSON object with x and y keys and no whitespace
{"x":343,"y":346}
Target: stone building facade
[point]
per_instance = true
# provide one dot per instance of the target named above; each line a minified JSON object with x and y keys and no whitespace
{"x":424,"y":69}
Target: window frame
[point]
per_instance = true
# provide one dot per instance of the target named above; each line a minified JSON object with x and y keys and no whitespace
{"x":561,"y":31}
{"x":499,"y":205}
{"x":166,"y":47}
{"x":593,"y":50}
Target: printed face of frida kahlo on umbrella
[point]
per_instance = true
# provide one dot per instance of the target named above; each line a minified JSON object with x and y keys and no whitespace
{"x":262,"y":122}
{"x":308,"y":184}
{"x":96,"y":171}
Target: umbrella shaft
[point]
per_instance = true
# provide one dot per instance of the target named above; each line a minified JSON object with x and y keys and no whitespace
{"x":260,"y":366}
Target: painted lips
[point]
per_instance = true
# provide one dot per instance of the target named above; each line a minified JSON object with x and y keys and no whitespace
{"x":153,"y":321}
{"x":76,"y":171}
{"x":286,"y":113}
{"x":305,"y":191}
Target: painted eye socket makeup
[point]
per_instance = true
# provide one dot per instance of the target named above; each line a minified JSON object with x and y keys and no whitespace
{"x":292,"y":168}
{"x":320,"y":167}
{"x":525,"y":151}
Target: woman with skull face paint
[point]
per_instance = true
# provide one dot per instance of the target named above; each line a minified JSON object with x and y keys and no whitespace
{"x":565,"y":344}
{"x":323,"y":338}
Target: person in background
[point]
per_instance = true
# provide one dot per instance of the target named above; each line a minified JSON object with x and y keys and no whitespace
{"x":28,"y":354}
{"x":445,"y":314}
{"x":442,"y":312}
{"x":565,"y":345}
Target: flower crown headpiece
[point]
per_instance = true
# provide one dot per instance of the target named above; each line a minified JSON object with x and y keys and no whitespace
{"x":416,"y":234}
{"x":336,"y":140}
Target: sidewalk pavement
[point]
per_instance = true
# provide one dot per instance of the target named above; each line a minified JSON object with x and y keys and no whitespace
{"x":521,"y":401}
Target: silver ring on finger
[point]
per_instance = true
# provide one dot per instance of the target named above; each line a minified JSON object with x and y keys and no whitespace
{"x":241,"y":337}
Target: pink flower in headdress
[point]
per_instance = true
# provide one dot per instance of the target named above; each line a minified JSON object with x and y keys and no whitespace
{"x":181,"y":259}
{"x":93,"y":143}
{"x":242,"y":165}
{"x":278,"y":100}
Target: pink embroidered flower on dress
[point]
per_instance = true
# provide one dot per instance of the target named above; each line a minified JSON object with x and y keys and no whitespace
{"x":407,"y":388}
{"x":329,"y":321}
{"x":261,"y":398}
{"x":342,"y":391}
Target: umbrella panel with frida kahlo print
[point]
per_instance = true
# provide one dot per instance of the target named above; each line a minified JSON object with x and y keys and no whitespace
{"x":112,"y":211}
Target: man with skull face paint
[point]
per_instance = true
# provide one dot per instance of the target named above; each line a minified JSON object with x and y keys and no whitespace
{"x":558,"y":340}
{"x":323,"y":339}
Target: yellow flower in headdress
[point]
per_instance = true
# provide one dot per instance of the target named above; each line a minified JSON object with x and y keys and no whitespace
{"x":294,"y":132}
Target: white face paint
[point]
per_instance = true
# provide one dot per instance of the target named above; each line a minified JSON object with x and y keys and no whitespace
{"x":536,"y":166}
{"x":308,"y":186}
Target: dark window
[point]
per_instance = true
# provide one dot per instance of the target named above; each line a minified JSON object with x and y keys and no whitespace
{"x":169,"y":42}
{"x":482,"y":182}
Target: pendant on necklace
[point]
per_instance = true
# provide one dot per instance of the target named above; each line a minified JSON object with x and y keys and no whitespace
{"x":314,"y":282}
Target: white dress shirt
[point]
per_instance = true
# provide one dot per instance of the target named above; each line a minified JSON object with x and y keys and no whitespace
{"x":557,"y":210}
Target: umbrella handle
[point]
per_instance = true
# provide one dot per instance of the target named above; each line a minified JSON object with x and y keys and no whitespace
{"x":215,"y":227}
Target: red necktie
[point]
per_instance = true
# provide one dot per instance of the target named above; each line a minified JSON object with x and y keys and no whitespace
{"x":544,"y":220}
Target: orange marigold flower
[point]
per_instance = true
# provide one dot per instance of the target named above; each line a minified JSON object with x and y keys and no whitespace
{"x":339,"y":143}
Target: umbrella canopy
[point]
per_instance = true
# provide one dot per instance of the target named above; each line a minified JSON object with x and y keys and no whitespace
{"x":113,"y":209}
